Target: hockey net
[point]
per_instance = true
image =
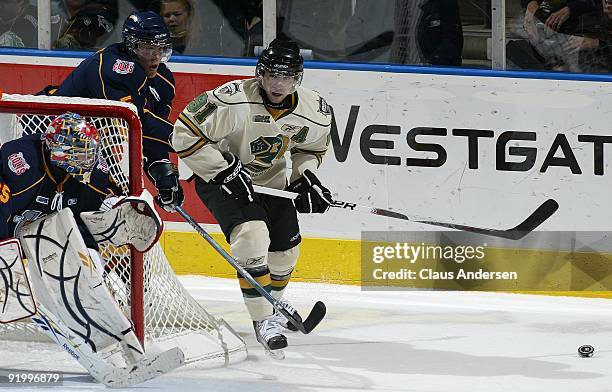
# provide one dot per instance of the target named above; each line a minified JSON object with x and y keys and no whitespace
{"x":163,"y":313}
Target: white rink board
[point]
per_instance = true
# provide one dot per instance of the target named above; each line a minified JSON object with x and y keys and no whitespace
{"x":451,"y":192}
{"x":454,"y":192}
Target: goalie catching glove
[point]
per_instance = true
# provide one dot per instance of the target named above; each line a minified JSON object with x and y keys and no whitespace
{"x":132,"y":220}
{"x":313,"y":197}
{"x":165,"y":176}
{"x":234,"y":180}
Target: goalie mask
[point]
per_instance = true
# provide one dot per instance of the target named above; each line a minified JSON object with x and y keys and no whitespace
{"x":280,"y":69}
{"x":73,"y":145}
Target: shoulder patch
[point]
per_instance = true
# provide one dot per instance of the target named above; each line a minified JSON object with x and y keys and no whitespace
{"x":17,"y":163}
{"x":123,"y":67}
{"x":324,"y":107}
{"x":230,"y":89}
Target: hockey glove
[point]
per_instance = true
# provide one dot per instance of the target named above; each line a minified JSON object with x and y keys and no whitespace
{"x":314,"y":197}
{"x":235,"y":182}
{"x":165,"y":177}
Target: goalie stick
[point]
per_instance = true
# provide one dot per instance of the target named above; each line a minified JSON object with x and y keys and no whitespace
{"x":305,"y":326}
{"x":541,"y":214}
{"x":144,"y":369}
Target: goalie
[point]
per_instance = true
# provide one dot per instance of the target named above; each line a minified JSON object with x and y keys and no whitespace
{"x":52,"y":187}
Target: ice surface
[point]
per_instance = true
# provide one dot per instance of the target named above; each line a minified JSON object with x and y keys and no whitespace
{"x":389,"y":341}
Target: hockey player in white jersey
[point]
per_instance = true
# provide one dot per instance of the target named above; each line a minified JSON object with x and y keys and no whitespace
{"x":237,"y":135}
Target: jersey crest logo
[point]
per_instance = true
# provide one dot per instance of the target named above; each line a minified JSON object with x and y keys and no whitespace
{"x":72,"y":202}
{"x":267,"y":148}
{"x":123,"y":67}
{"x":261,"y":118}
{"x":155,"y":93}
{"x":17,"y":163}
{"x":324,"y":107}
{"x":230,"y":89}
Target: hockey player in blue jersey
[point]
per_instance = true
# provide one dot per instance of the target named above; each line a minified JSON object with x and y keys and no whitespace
{"x":134,"y":71}
{"x":52,"y":188}
{"x":44,"y":174}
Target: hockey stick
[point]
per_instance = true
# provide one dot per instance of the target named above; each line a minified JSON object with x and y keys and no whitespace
{"x":543,"y":212}
{"x":305,"y":326}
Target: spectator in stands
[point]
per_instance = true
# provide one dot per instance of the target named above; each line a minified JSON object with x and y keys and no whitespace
{"x":178,"y":15}
{"x":595,"y":52}
{"x":547,"y":27}
{"x":427,"y":32}
{"x":18,"y":24}
{"x":245,"y":18}
{"x":90,"y":24}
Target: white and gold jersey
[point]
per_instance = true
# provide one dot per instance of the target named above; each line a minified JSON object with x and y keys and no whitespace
{"x":233,"y":118}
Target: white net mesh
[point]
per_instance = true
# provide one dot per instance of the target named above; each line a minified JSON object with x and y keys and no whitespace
{"x":169,"y":316}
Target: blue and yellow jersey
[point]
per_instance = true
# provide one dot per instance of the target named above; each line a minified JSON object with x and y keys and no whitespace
{"x":113,"y":74}
{"x":31,"y":188}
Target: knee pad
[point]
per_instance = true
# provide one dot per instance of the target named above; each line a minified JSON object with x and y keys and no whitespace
{"x":282,"y":262}
{"x":249,"y":242}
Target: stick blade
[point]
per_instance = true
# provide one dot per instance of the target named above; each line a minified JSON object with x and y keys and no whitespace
{"x":538,"y":217}
{"x":314,"y":318}
{"x":541,"y":214}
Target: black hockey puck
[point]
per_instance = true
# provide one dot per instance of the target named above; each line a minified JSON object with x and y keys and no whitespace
{"x":586,"y":351}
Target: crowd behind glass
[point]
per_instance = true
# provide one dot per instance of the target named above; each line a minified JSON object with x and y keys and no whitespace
{"x":553,"y":35}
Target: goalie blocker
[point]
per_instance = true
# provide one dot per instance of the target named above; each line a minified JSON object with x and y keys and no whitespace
{"x":75,"y":308}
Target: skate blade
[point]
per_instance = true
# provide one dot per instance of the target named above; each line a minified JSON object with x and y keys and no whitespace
{"x":277,"y":355}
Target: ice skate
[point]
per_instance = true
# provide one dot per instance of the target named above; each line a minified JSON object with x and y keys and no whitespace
{"x":268,"y":333}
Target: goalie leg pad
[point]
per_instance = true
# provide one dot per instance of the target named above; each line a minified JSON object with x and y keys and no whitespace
{"x":77,"y":311}
{"x":67,"y":283}
{"x":16,"y":300}
{"x":132,"y":220}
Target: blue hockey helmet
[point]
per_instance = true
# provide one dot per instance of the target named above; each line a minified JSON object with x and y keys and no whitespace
{"x":146,"y":30}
